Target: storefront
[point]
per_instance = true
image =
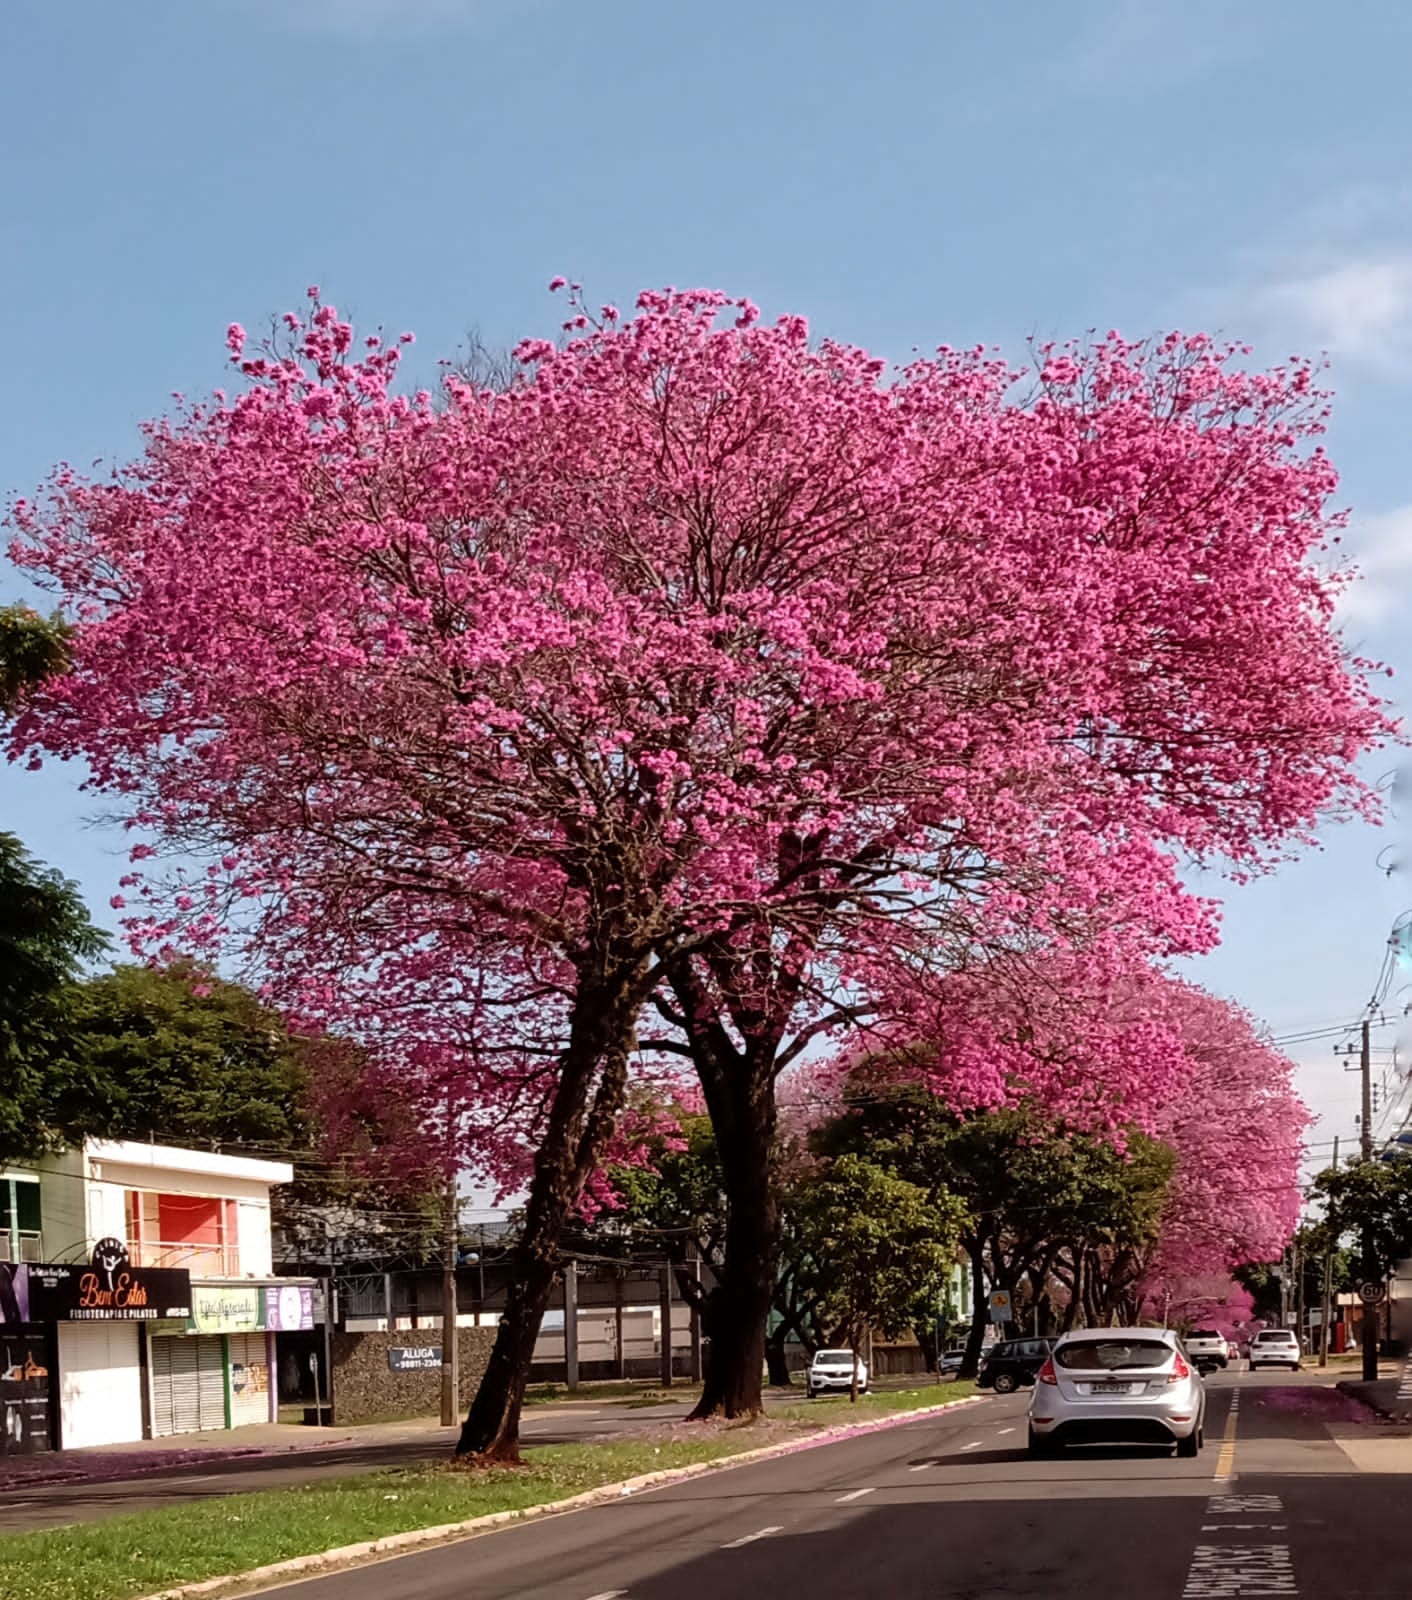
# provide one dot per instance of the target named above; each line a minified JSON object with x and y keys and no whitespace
{"x":217,"y":1370}
{"x":90,"y":1321}
{"x":26,"y":1361}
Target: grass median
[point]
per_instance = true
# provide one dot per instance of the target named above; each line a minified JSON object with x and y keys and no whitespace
{"x":124,"y":1556}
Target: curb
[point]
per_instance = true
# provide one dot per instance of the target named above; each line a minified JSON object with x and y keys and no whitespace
{"x":1357,"y":1390}
{"x":351,"y":1555}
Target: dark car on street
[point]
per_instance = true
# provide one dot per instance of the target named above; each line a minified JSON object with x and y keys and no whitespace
{"x":1012,"y":1364}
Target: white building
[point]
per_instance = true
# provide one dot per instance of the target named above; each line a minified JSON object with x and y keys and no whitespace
{"x":140,"y":1214}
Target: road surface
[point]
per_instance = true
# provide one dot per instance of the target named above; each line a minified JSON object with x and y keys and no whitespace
{"x":1290,"y":1498}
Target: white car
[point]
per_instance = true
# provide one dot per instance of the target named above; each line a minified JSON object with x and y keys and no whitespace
{"x":951,"y":1361}
{"x":833,"y":1369}
{"x":1274,"y":1347}
{"x":1118,"y":1386}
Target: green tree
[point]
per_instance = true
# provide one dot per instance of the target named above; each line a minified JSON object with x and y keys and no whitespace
{"x":1044,"y":1208}
{"x":180,"y":1057}
{"x":675,"y":1204}
{"x":1368,"y":1208}
{"x":32,"y":648}
{"x":876,"y":1246}
{"x":45,"y":939}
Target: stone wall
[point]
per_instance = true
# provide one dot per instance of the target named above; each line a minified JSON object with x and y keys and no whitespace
{"x":365,"y":1389}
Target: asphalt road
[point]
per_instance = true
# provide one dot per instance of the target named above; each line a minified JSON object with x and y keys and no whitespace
{"x":54,"y":1505}
{"x":1290,"y":1498}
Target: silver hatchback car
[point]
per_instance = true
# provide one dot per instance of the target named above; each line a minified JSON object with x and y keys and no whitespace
{"x":1118,"y":1386}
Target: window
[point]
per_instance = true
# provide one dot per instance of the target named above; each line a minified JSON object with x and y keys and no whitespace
{"x":198,"y":1232}
{"x":1111,"y":1355}
{"x":20,"y":1219}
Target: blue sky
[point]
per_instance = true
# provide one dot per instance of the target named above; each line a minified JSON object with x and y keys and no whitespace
{"x":909,"y":172}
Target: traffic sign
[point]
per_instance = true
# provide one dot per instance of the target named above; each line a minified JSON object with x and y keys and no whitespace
{"x":1370,"y":1293}
{"x":1000,"y":1305}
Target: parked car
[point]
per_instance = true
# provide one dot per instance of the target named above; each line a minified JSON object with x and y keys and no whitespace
{"x":833,"y":1369}
{"x":1118,"y":1386}
{"x":1207,"y":1349}
{"x":1274,"y":1347}
{"x":950,"y":1361}
{"x":1011,"y":1363}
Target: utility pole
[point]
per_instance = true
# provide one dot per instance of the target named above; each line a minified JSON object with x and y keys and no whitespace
{"x":1369,"y":1326}
{"x":1327,"y":1310}
{"x":450,"y":1338}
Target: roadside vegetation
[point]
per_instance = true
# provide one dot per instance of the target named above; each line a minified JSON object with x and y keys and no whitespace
{"x":122,"y":1557}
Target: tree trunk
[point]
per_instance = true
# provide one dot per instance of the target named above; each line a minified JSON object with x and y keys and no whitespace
{"x":971,"y":1361}
{"x":744,"y":1115}
{"x":776,"y":1360}
{"x":584,"y":1110}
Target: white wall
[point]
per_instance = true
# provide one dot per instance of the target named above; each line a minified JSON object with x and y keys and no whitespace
{"x":253,"y":1232}
{"x":100,"y":1383}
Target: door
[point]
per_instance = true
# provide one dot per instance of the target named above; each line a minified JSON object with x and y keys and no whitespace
{"x":188,"y":1384}
{"x":100,"y":1383}
{"x":249,"y":1379}
{"x":176,"y":1395}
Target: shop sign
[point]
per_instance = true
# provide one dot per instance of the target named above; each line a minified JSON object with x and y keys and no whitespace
{"x":108,"y":1289}
{"x":419,"y":1358}
{"x":24,"y":1394}
{"x":226,"y":1310}
{"x":289,"y":1307}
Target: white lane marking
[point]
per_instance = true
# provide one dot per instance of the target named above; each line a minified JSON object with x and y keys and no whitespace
{"x":750,"y":1538}
{"x":609,"y":1594}
{"x":922,"y":1466}
{"x":975,"y":1444}
{"x":1230,"y":1505}
{"x":1007,"y":1430}
{"x":1228,"y":1571}
{"x":1241,"y":1571}
{"x":857,"y":1494}
{"x":1244,"y":1527}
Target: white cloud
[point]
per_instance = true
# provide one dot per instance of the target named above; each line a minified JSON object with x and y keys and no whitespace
{"x":1381,"y":549}
{"x":1360,"y":308}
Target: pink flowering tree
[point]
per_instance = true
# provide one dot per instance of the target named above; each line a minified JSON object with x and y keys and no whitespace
{"x":699,"y":662}
{"x":1237,"y":1130}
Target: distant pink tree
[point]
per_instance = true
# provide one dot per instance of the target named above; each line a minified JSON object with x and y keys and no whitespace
{"x":1237,"y":1127}
{"x":700,"y":664}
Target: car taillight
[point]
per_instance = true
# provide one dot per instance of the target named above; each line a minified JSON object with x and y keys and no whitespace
{"x":1179,"y":1370}
{"x":1046,"y":1372}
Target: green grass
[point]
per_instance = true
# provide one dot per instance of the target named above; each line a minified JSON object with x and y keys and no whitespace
{"x":831,"y":1410}
{"x":645,"y":1392}
{"x":123,"y":1556}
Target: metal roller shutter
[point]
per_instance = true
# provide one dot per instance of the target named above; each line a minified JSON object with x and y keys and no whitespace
{"x":211,"y":1380}
{"x":188,"y":1384}
{"x":176,"y":1391}
{"x":249,"y":1379}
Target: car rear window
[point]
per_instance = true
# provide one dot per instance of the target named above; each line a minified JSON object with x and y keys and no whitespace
{"x":1276,"y":1337}
{"x":1203,"y":1333}
{"x":1107,"y":1355}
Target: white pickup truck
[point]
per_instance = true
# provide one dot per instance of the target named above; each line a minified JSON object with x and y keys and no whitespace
{"x":1207,"y":1349}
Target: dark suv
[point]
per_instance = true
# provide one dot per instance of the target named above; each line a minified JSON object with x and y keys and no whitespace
{"x":1011,"y":1363}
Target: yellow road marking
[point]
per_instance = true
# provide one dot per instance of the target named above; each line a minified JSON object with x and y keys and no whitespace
{"x":1225,"y":1462}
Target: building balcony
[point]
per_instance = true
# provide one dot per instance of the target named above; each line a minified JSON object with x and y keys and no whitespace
{"x":200,"y":1260}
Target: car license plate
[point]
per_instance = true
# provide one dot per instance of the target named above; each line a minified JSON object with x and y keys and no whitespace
{"x":1109,"y":1388}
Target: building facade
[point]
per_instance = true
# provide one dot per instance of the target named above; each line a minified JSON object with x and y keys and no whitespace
{"x":140,"y":1281}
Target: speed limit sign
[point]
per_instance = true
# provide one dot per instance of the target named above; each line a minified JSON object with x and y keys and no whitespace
{"x":1370,"y":1293}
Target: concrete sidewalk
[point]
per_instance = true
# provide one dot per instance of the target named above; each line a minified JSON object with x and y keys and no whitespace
{"x":277,"y":1441}
{"x":1389,"y":1397}
{"x":100,"y":1463}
